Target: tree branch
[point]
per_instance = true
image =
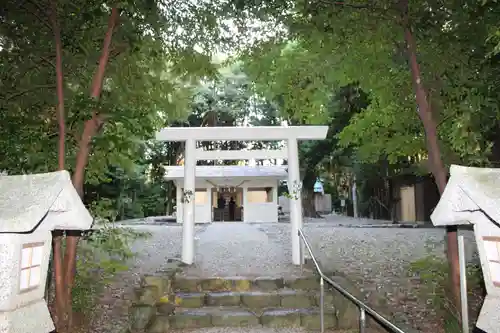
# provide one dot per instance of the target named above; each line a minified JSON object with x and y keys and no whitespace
{"x":343,"y":4}
{"x":25,"y":91}
{"x":103,"y":60}
{"x":44,"y":22}
{"x":116,"y":51}
{"x":47,"y":61}
{"x":59,"y":82}
{"x":354,"y":6}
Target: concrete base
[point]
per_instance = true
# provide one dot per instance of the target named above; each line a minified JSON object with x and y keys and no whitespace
{"x":34,"y":318}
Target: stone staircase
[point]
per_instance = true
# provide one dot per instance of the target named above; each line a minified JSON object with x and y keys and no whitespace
{"x":175,"y":302}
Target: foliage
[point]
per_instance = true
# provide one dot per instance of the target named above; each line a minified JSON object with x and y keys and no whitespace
{"x":320,"y":46}
{"x":355,"y":41}
{"x":132,"y":194}
{"x":102,"y":254}
{"x":147,"y":80}
{"x":432,"y":272}
{"x":305,"y":93}
{"x":294,"y":78}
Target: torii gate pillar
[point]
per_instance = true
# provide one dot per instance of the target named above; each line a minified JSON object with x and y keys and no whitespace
{"x":188,"y":203}
{"x":294,"y":189}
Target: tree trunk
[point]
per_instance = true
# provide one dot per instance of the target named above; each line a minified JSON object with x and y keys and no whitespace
{"x":432,"y":141}
{"x":60,"y":297}
{"x":308,"y":206}
{"x":92,"y":126}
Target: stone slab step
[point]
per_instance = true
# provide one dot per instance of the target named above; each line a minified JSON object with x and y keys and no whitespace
{"x":286,"y":298}
{"x":238,"y":317}
{"x":195,"y":284}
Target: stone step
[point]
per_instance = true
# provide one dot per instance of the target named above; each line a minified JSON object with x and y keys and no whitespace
{"x":161,"y":302}
{"x":286,"y":298}
{"x":239,"y":284}
{"x":238,"y":317}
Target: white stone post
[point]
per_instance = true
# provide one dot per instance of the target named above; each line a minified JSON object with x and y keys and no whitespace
{"x":188,"y":204}
{"x":179,"y":206}
{"x":245,"y":204}
{"x":209,"y":204}
{"x":294,"y":189}
{"x":354,"y":198}
{"x":275,"y":201}
{"x":275,"y":193}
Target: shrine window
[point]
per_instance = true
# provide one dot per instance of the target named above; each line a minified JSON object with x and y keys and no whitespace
{"x":260,"y":194}
{"x":31,"y":266}
{"x":492,"y":254}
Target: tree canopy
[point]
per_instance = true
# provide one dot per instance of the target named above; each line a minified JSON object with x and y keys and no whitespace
{"x":345,"y":42}
{"x":151,"y":67}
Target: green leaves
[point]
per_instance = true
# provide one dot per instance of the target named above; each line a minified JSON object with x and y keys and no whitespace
{"x":333,"y":45}
{"x":295,"y":78}
{"x":102,"y":254}
{"x":147,"y":80}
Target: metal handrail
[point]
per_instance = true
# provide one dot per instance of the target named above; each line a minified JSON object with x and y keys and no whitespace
{"x":363,"y":308}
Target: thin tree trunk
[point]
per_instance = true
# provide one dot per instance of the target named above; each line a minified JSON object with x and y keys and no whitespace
{"x":434,"y":151}
{"x":92,"y":126}
{"x":59,"y":87}
{"x":59,"y":281}
{"x":57,"y":236}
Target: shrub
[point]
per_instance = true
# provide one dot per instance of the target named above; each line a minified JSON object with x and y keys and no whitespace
{"x":102,"y":253}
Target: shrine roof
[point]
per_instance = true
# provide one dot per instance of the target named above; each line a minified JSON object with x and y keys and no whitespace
{"x":469,"y":191}
{"x":48,"y":199}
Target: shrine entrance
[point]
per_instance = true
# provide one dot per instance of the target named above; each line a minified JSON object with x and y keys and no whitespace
{"x":289,"y":134}
{"x":227,"y":204}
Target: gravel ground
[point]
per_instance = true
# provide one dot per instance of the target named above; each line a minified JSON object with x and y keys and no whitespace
{"x":242,"y":249}
{"x":374,"y":259}
{"x":112,"y":311}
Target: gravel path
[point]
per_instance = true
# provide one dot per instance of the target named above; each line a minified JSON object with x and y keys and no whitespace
{"x":374,"y":259}
{"x":242,"y":249}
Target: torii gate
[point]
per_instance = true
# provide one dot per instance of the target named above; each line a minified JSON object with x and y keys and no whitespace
{"x":291,"y":135}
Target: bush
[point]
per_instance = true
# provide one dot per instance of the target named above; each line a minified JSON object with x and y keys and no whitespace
{"x":433,"y":272}
{"x":101,"y":255}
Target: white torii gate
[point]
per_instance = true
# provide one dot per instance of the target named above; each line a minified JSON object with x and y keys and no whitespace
{"x":291,"y":134}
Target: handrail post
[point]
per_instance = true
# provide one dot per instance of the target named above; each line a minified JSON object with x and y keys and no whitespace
{"x":322,"y":304}
{"x":301,"y":252}
{"x":362,"y":320}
